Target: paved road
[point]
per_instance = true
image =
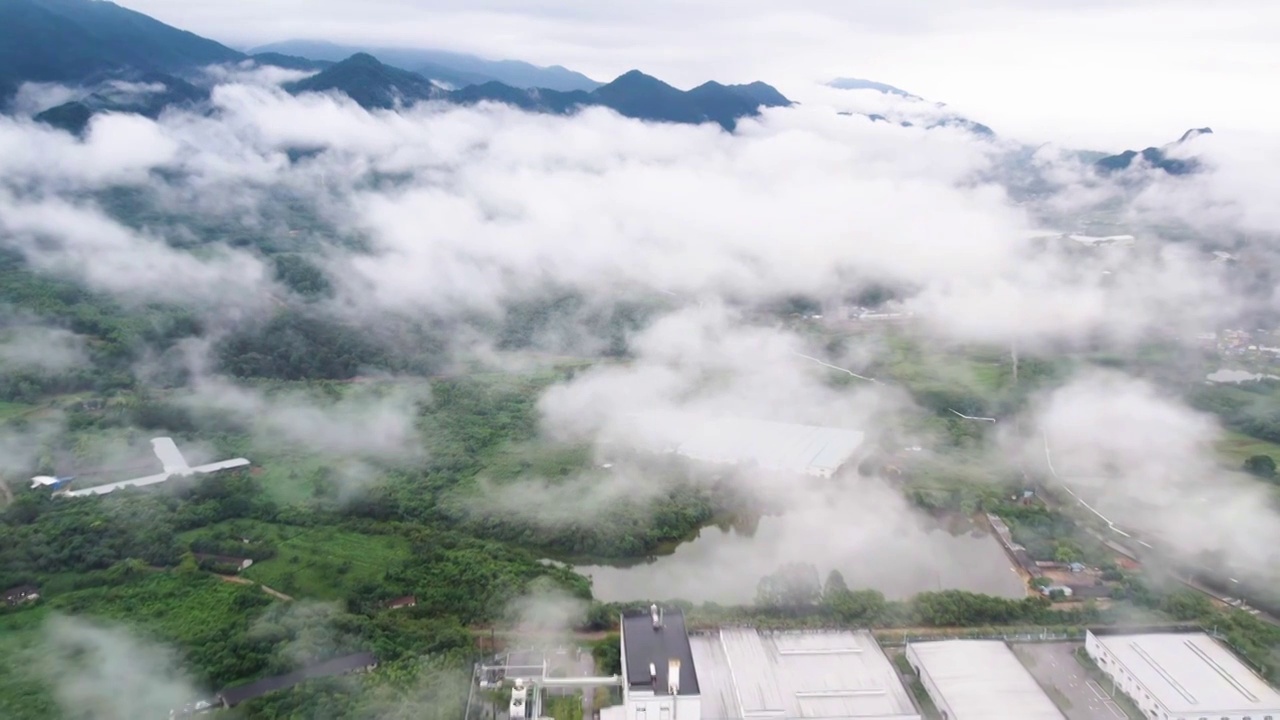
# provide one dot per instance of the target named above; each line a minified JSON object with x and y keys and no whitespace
{"x":1056,"y":669}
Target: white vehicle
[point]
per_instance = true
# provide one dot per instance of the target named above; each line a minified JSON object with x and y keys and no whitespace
{"x":171,"y":461}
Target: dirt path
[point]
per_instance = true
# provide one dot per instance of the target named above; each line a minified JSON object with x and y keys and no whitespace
{"x":245,"y":581}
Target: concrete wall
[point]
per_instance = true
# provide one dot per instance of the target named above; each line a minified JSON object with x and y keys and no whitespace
{"x":647,"y":706}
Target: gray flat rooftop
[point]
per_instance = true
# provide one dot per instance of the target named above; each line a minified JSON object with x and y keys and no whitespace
{"x":646,"y":645}
{"x":834,"y":675}
{"x":1191,"y":673}
{"x":982,"y":680}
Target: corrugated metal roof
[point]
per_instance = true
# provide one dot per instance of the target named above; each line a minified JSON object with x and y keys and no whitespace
{"x":1191,"y":673}
{"x":982,"y":680}
{"x":835,"y":675}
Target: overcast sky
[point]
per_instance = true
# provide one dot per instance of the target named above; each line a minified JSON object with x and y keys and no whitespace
{"x":1104,"y":73}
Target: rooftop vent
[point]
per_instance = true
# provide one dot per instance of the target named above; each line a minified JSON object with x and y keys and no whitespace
{"x":673,"y":677}
{"x":655,"y":613}
{"x":653,"y":676}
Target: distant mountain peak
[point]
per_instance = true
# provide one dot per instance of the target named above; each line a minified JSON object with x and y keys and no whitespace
{"x":1195,"y":132}
{"x":1156,"y":157}
{"x":861,"y":84}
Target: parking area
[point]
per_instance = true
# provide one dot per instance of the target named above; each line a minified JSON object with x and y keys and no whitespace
{"x":1066,"y":681}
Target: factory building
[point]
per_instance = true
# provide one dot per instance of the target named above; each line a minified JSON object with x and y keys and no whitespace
{"x":1183,"y":676}
{"x":834,"y":675}
{"x":979,"y":680}
{"x":658,"y":678}
{"x":812,"y":450}
{"x":740,"y":673}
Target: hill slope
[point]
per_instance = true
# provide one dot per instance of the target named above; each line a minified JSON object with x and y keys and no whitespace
{"x":71,"y":41}
{"x":370,"y":83}
{"x":1156,"y":157}
{"x":456,"y":69}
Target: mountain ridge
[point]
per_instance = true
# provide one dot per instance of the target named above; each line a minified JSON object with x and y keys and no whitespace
{"x":376,"y":85}
{"x":452,"y":68}
{"x":1156,"y":157}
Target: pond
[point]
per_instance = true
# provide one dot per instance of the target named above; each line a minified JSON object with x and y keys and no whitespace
{"x":875,"y":542}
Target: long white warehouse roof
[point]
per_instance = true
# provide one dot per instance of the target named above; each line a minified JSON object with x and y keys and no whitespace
{"x":982,"y":680}
{"x":771,"y":445}
{"x":1191,"y":673}
{"x":833,"y":675}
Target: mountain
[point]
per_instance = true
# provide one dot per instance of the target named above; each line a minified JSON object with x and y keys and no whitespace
{"x":146,"y":94}
{"x":641,"y":96}
{"x":375,"y":85}
{"x":533,"y":100}
{"x":370,"y":83}
{"x":455,"y":69}
{"x":860,"y":84}
{"x":290,"y":62}
{"x":1156,"y":157}
{"x":919,"y":113}
{"x":71,"y":41}
{"x":762,"y":94}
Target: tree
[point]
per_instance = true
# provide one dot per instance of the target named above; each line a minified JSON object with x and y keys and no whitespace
{"x":1262,"y":466}
{"x":793,"y":585}
{"x":1066,"y":552}
{"x":834,"y":586}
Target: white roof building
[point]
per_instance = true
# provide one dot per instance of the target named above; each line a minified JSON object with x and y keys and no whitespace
{"x":1184,"y":676}
{"x":789,"y":447}
{"x":833,"y":675}
{"x":979,"y":680}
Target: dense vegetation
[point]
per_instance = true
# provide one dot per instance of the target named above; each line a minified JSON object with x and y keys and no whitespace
{"x":427,"y":525}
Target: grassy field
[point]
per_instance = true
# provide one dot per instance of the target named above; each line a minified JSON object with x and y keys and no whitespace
{"x":9,"y":411}
{"x":320,"y":563}
{"x":1235,"y":448}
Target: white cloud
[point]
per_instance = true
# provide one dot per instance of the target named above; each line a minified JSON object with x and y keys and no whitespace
{"x":1108,"y":74}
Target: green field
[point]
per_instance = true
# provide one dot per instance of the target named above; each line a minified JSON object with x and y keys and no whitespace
{"x":319,"y":562}
{"x":1235,"y":448}
{"x":10,"y":410}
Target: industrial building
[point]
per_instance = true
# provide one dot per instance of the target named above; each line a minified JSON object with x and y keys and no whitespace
{"x":1183,"y":676}
{"x":658,"y":677}
{"x":979,"y":680}
{"x":835,"y":675}
{"x":788,"y":447}
{"x":728,"y":674}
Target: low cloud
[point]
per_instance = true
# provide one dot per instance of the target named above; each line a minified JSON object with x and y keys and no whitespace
{"x":109,"y":672}
{"x":1147,"y":462}
{"x":28,"y":347}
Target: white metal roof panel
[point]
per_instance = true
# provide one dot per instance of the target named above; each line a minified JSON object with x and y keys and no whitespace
{"x":835,"y":675}
{"x":1191,"y":673}
{"x":982,"y":680}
